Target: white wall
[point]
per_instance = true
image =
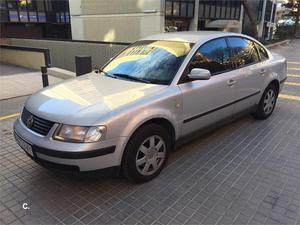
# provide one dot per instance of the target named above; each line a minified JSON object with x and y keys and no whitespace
{"x":116,"y":20}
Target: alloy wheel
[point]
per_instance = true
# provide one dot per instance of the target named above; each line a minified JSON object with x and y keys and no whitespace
{"x":269,"y":101}
{"x":150,"y":155}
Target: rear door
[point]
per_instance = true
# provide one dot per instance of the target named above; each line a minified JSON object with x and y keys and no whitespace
{"x":249,"y":73}
{"x":207,"y":101}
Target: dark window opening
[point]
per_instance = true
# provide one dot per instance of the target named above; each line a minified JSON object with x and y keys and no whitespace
{"x":177,"y":25}
{"x":179,"y":8}
{"x":220,"y":9}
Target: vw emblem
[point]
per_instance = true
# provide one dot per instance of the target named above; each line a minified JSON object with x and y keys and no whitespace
{"x":29,"y":121}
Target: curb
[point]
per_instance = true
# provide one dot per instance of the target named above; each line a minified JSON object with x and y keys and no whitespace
{"x":19,"y":96}
{"x":278,"y":43}
{"x":60,"y":73}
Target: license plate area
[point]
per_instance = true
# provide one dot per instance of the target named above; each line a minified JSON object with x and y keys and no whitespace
{"x":24,"y":145}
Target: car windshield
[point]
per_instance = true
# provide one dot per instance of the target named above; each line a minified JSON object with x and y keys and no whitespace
{"x":149,"y":61}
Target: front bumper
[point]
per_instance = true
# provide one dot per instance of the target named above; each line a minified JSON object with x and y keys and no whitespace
{"x":84,"y":156}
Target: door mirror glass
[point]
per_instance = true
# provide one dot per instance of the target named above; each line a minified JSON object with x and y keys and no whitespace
{"x":199,"y":74}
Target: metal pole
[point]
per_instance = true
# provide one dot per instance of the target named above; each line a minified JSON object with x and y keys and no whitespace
{"x":44,"y":76}
{"x":194,"y":22}
{"x":242,"y":16}
{"x":262,"y":20}
{"x":275,"y":19}
{"x":271,"y":20}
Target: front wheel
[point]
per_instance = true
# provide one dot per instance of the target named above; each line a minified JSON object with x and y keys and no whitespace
{"x":146,"y":153}
{"x":267,"y":103}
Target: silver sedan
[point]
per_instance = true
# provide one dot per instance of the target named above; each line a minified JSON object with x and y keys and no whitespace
{"x":159,"y":91}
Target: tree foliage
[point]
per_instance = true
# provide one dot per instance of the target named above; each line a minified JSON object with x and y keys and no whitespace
{"x":294,"y":6}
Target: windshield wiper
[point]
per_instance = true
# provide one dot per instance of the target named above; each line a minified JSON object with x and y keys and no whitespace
{"x":126,"y":76}
{"x":102,"y":71}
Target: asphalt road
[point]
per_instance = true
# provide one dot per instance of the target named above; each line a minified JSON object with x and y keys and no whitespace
{"x":11,"y":106}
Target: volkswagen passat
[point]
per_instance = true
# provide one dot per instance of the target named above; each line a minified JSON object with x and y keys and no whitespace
{"x":159,"y":90}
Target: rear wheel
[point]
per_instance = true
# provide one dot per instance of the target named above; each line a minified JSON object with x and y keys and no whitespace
{"x":146,"y":153}
{"x":267,"y":103}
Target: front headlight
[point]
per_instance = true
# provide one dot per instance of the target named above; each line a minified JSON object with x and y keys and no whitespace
{"x":79,"y":134}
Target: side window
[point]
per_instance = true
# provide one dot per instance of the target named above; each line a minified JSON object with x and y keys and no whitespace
{"x":243,"y":51}
{"x":262,"y":52}
{"x":213,"y":56}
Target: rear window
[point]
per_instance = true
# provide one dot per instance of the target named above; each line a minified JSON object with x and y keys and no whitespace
{"x":243,"y":51}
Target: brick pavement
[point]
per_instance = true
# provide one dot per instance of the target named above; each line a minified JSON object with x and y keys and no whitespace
{"x":19,"y":81}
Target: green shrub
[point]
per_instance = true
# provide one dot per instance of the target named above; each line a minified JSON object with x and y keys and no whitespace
{"x":284,"y":32}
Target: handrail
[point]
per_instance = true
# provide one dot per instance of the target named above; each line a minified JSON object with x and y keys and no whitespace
{"x":46,"y":51}
{"x":76,"y":41}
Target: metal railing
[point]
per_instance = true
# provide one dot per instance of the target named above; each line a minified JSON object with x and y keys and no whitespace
{"x":31,"y":49}
{"x":47,"y":58}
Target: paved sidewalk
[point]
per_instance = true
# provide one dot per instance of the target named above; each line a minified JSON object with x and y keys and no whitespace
{"x":19,"y":81}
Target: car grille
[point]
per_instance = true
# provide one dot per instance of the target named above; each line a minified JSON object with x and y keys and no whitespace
{"x":36,"y":124}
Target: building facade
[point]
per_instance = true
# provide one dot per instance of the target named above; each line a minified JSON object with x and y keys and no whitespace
{"x":221,"y":15}
{"x":115,"y":20}
{"x":203,"y":15}
{"x":35,"y":19}
{"x":129,"y":20}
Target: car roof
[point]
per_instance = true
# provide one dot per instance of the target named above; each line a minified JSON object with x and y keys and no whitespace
{"x":191,"y":36}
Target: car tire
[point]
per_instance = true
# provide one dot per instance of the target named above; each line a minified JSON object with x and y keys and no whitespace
{"x":146,"y":153}
{"x":267,"y":103}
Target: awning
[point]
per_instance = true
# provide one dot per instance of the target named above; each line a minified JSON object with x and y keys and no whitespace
{"x":223,"y":24}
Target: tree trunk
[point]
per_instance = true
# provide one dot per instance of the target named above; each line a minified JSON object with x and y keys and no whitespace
{"x":252,"y":18}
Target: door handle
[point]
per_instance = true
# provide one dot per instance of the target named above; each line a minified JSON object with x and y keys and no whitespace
{"x":231,"y":82}
{"x":262,"y":71}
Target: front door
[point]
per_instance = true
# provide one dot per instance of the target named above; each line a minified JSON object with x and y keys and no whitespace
{"x":208,"y":101}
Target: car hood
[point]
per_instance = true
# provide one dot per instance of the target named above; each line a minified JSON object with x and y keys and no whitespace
{"x":83,"y":100}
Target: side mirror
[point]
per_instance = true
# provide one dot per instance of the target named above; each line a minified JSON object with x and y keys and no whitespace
{"x":199,"y":74}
